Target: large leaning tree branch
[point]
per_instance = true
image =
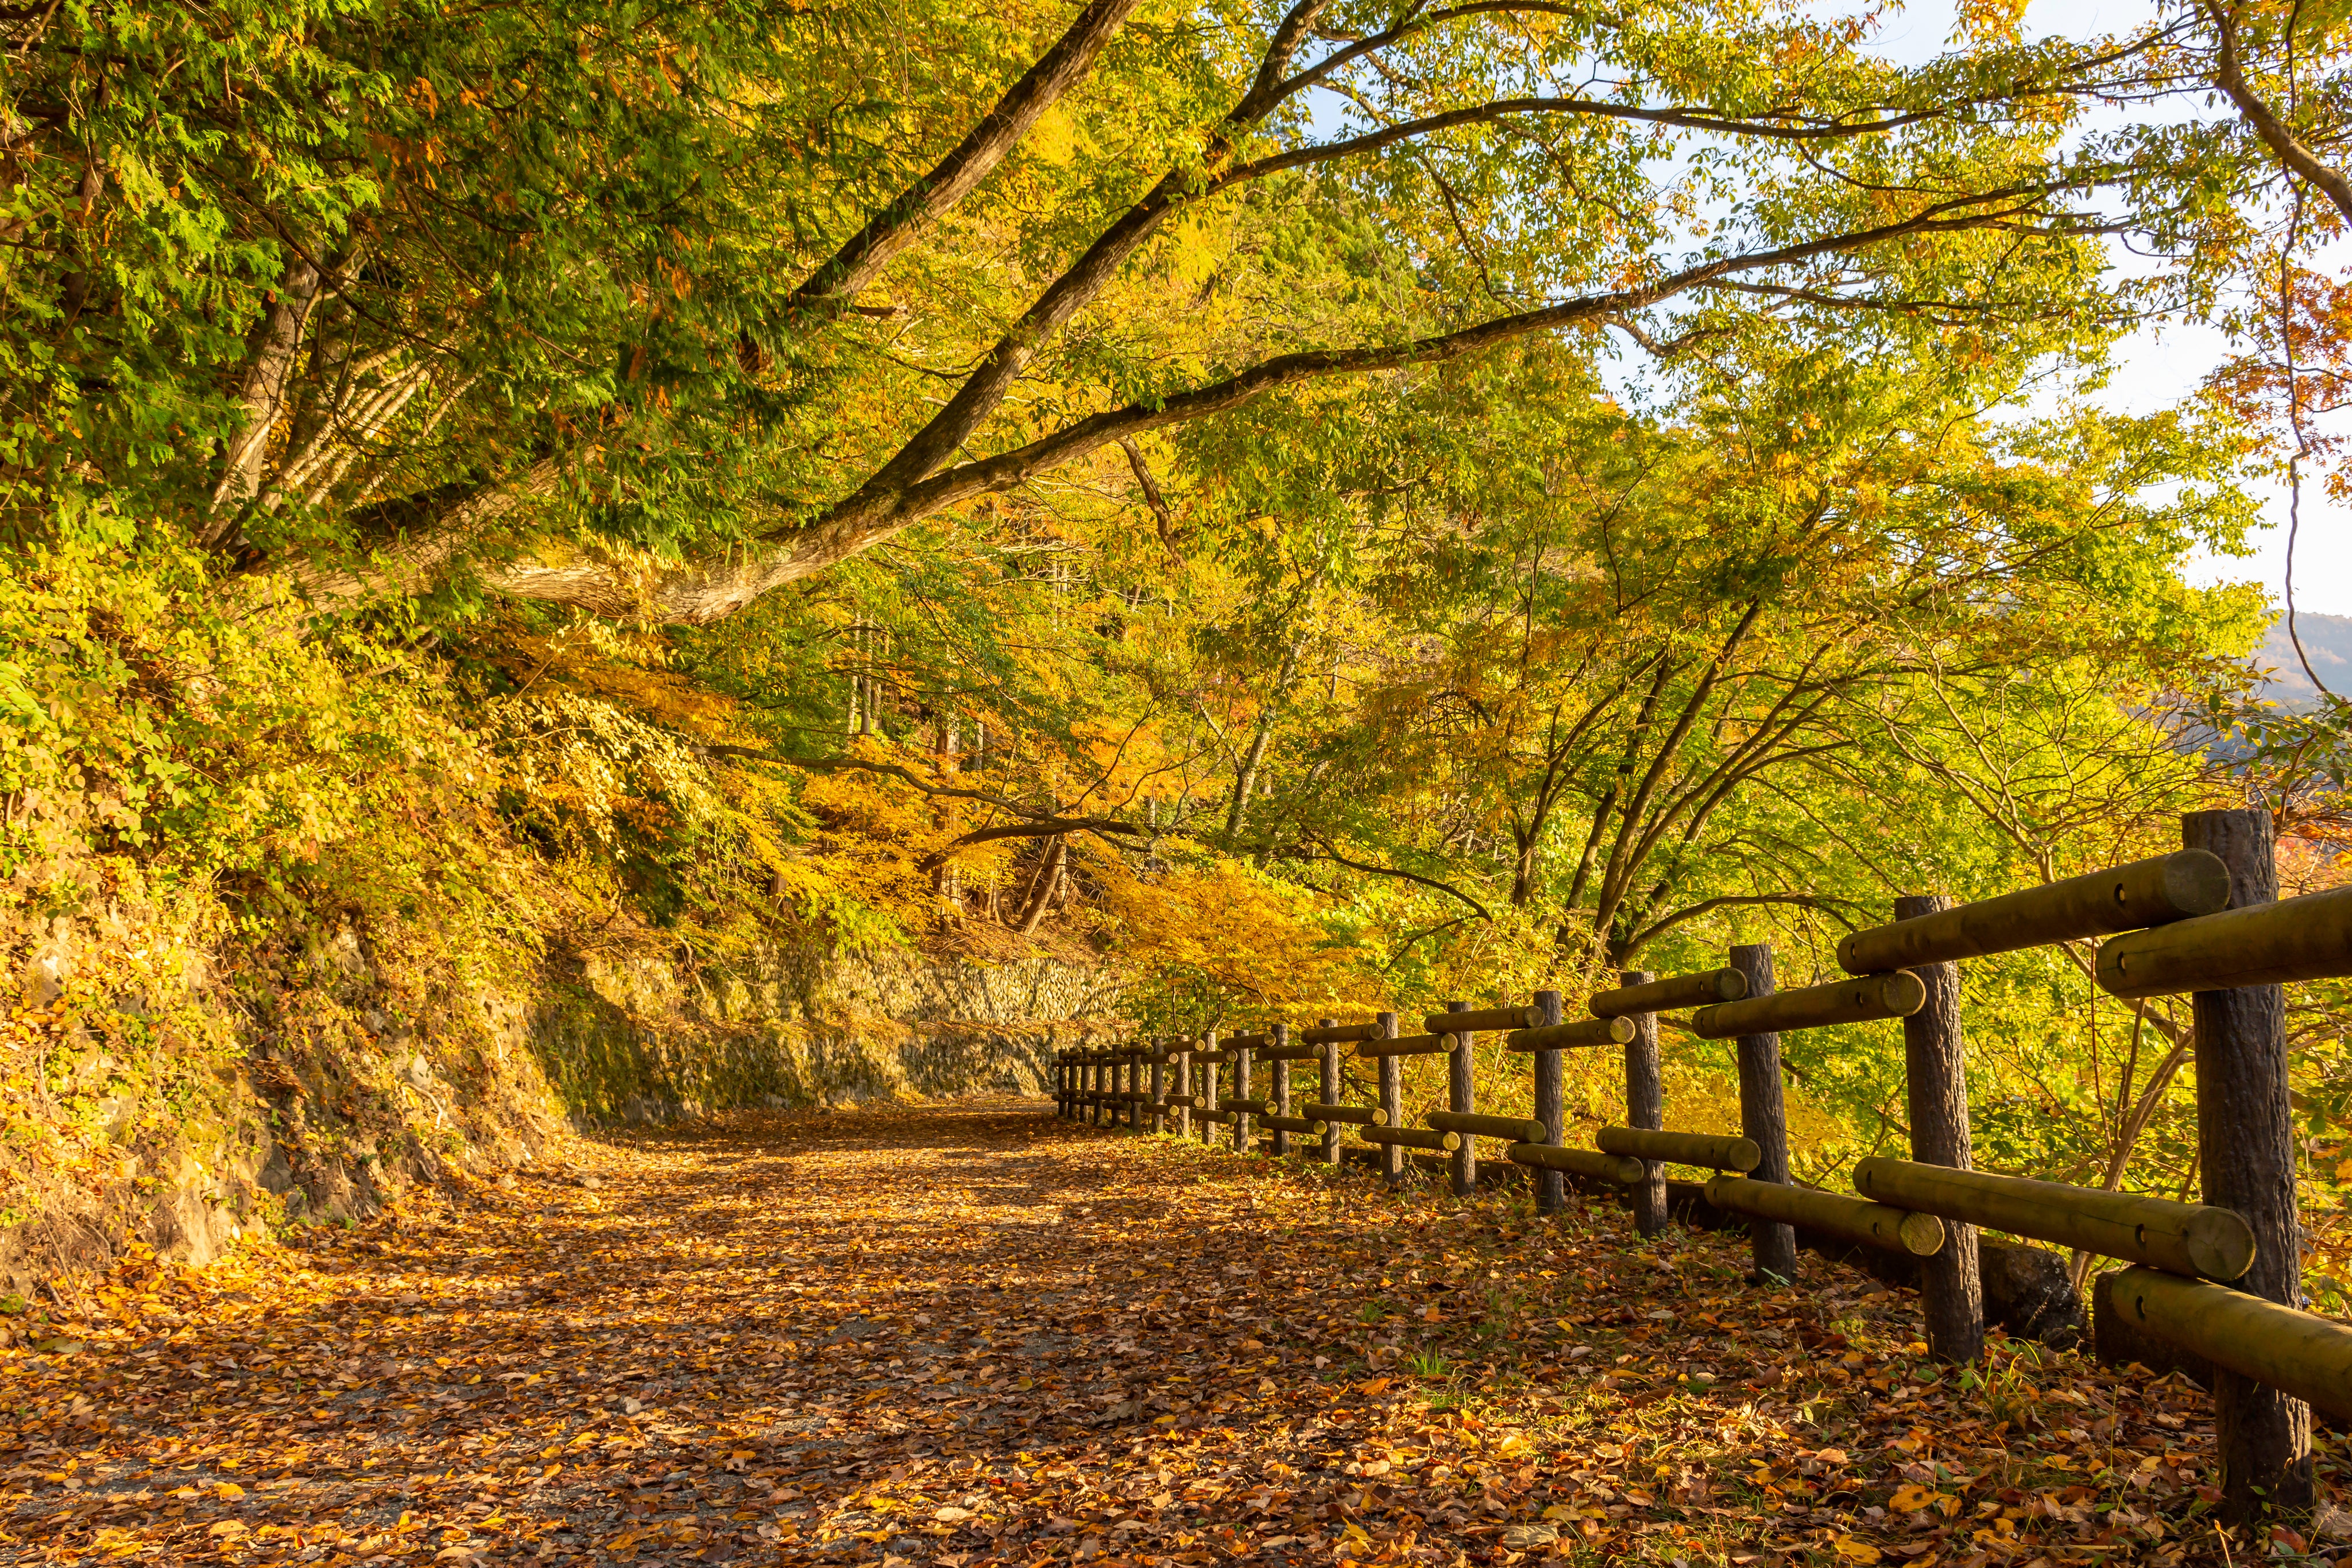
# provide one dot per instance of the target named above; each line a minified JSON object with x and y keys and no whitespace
{"x":2228,"y":74}
{"x":699,"y":593}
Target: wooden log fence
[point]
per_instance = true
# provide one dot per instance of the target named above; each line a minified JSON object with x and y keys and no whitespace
{"x":2218,"y":1279}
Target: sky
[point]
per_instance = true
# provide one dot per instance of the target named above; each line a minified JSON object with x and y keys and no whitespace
{"x":2161,"y":366}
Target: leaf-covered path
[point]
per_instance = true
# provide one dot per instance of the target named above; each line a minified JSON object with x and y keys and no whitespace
{"x":971,"y":1334}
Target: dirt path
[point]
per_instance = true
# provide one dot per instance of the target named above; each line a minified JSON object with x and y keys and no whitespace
{"x":971,"y":1334}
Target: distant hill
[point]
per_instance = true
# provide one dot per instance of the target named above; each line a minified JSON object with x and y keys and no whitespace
{"x":2326,"y":638}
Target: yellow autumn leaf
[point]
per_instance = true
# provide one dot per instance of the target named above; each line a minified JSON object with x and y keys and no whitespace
{"x":228,"y":1491}
{"x":1853,"y":1549}
{"x":1911,"y":1499}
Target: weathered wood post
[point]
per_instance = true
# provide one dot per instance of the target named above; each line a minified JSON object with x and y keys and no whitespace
{"x":1764,"y":1116}
{"x":1462,"y":1094}
{"x":2245,"y":1147}
{"x":1184,"y":1087}
{"x":1243,"y":1070}
{"x":1327,"y":1091}
{"x":1209,"y":1085}
{"x":1551,"y":1107}
{"x":1646,"y":1106}
{"x":1935,"y":1078}
{"x":1280,"y":1093}
{"x":1158,"y":1089}
{"x":1391,"y":1079}
{"x":1061,"y":1081}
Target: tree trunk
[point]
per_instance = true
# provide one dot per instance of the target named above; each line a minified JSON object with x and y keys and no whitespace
{"x":1646,"y":1106}
{"x":271,"y":354}
{"x":1041,"y":895}
{"x":1936,"y":1077}
{"x":2245,"y":1144}
{"x":1764,"y":1117}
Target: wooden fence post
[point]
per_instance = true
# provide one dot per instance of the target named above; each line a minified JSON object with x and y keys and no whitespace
{"x":1209,"y":1084}
{"x":1551,"y":1107}
{"x":1280,"y":1093}
{"x":1646,"y":1106}
{"x":1936,"y":1077}
{"x":1391,"y":1074}
{"x":1159,"y":1090}
{"x":2245,"y":1147}
{"x":1764,"y":1116}
{"x":1184,"y":1087}
{"x":1327,"y":1091}
{"x":1243,"y":1071}
{"x":1462,"y":1094}
{"x":1061,"y":1081}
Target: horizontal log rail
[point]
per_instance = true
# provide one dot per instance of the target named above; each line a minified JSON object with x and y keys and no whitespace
{"x":1218,"y":1114}
{"x":1570,"y":1036}
{"x":1339,"y":1033}
{"x":1675,"y":991}
{"x":1405,"y":1045}
{"x":1478,"y":1018}
{"x":1592,"y":1163}
{"x":1715,"y":1151}
{"x":2122,"y":898}
{"x":1412,"y":1138}
{"x":1254,"y":1107}
{"x":1288,"y":1053}
{"x":1470,"y":1124}
{"x":1832,"y":1213}
{"x":1352,"y":1115}
{"x":1303,"y":1124}
{"x":2297,"y":1352}
{"x":2306,"y":938}
{"x":2179,"y":1238}
{"x":1895,"y":996}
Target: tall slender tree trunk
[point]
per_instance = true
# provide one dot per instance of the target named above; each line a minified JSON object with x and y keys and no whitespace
{"x":1245,"y":780}
{"x":1048,"y":882}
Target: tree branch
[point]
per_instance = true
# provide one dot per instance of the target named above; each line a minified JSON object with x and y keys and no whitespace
{"x":1324,"y":852}
{"x":2229,"y":77}
{"x":900,"y":223}
{"x":1046,"y":828}
{"x":1664,"y":923}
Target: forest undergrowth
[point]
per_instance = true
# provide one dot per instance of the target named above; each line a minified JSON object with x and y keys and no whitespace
{"x":970,"y":1335}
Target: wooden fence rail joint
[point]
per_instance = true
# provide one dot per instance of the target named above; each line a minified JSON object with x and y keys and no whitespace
{"x":1570,"y":1036}
{"x":1715,"y":1151}
{"x":1894,"y":996}
{"x":1674,"y":991}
